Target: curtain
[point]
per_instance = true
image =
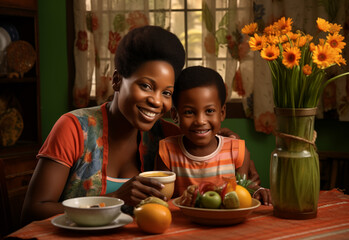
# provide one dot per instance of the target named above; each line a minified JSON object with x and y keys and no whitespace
{"x":258,"y":103}
{"x":224,"y":47}
{"x":99,"y":27}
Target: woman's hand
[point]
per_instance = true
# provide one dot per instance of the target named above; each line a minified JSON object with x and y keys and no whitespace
{"x":138,"y":188}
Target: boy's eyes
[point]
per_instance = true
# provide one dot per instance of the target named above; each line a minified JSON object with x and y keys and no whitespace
{"x":190,"y":112}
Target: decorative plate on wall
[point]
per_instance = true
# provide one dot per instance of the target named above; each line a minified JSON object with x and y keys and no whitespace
{"x":21,"y":57}
{"x":11,"y":127}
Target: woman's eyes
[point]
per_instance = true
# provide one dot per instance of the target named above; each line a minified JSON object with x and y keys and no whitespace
{"x":149,"y":87}
{"x":145,"y":86}
{"x":167,"y":93}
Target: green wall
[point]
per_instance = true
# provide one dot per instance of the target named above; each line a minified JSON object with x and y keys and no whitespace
{"x":332,"y":135}
{"x":53,"y":62}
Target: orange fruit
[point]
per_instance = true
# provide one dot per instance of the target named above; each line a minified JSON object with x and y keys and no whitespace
{"x":245,"y":198}
{"x":153,"y":217}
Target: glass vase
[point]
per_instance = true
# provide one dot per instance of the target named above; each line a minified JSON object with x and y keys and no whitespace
{"x":294,"y":165}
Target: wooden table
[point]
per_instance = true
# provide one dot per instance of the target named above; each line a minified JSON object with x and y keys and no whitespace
{"x":332,"y":222}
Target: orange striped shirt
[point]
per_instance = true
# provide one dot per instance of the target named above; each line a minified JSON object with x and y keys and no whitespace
{"x":192,"y":169}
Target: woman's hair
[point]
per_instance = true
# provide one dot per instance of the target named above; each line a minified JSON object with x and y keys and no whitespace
{"x":148,"y":43}
{"x":198,"y":76}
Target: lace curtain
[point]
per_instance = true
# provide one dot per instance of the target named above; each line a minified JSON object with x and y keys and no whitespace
{"x":99,"y":27}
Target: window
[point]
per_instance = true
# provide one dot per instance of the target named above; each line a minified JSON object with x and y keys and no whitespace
{"x":182,"y":17}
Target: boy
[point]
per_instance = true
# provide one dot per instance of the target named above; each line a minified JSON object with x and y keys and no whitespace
{"x":199,"y":154}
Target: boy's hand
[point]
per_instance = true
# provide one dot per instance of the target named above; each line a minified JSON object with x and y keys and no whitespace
{"x":263,"y":195}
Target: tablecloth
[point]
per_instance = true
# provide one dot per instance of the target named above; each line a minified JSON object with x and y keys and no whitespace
{"x":332,"y":222}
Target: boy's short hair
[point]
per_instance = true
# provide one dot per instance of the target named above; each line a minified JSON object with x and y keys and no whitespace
{"x":198,"y":76}
{"x":148,"y":43}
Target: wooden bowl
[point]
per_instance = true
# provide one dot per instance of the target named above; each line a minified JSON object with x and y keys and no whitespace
{"x":217,"y":217}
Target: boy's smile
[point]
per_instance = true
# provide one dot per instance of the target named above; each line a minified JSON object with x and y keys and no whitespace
{"x":200,"y":116}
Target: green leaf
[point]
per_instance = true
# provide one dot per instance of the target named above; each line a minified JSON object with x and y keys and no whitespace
{"x":221,"y":36}
{"x":208,"y":18}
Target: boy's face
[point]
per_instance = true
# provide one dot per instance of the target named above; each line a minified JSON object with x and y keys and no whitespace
{"x":146,"y":95}
{"x":200,"y":115}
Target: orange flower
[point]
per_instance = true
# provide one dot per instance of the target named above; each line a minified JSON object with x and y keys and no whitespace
{"x":312,"y":47}
{"x":291,"y":57}
{"x":270,"y":30}
{"x":91,"y":121}
{"x":88,"y":157}
{"x":257,"y":42}
{"x":250,"y":29}
{"x":87,"y":184}
{"x":340,"y":60}
{"x":99,"y":142}
{"x":307,"y":69}
{"x":284,"y":25}
{"x":301,"y":41}
{"x":323,"y":56}
{"x":322,"y":25}
{"x":336,"y":41}
{"x":270,"y":53}
{"x":334,"y":28}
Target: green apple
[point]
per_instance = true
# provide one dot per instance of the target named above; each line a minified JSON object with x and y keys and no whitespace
{"x":211,"y":199}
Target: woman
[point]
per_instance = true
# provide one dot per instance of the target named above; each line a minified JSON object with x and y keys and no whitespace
{"x":87,"y":146}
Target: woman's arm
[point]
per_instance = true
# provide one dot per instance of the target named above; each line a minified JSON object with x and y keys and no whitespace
{"x":44,"y":191}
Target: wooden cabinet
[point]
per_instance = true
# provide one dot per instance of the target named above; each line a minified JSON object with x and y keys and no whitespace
{"x":18,"y":161}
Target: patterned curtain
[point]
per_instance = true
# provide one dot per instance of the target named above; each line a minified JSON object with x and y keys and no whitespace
{"x":225,"y":49}
{"x":99,"y":27}
{"x":258,"y":101}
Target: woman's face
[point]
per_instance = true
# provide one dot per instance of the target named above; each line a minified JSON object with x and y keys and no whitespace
{"x":200,"y":115}
{"x":146,"y":95}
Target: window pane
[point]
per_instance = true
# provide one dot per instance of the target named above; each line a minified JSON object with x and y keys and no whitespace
{"x":223,"y":3}
{"x":177,"y":4}
{"x":194,"y":4}
{"x":177,"y":26}
{"x":194,"y":63}
{"x":194,"y":34}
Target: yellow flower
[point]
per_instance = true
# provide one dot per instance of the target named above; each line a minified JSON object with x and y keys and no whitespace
{"x":270,"y":53}
{"x":286,"y":45}
{"x":291,"y":57}
{"x":257,"y":42}
{"x":334,"y":28}
{"x":250,"y":29}
{"x":307,"y":69}
{"x":312,"y":47}
{"x":270,"y":30}
{"x":340,"y":60}
{"x":322,"y":24}
{"x":272,"y":40}
{"x":302,"y":41}
{"x":336,"y":41}
{"x":284,"y":25}
{"x":323,"y":56}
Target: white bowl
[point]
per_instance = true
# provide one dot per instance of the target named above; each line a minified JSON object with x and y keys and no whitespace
{"x":80,"y":212}
{"x":166,"y":178}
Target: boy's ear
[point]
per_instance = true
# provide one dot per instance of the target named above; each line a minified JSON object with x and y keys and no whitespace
{"x":116,"y":80}
{"x":223,"y":112}
{"x":174,"y":115}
